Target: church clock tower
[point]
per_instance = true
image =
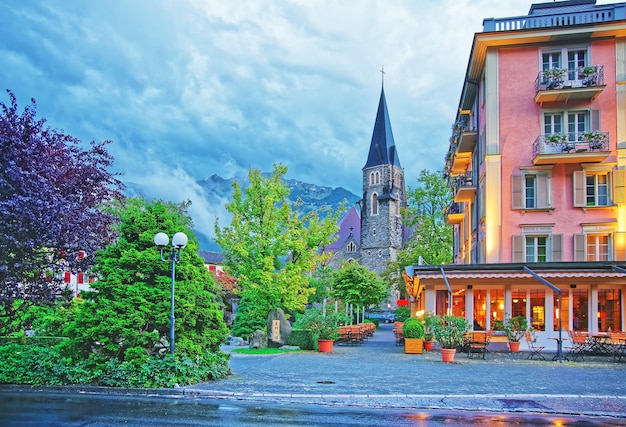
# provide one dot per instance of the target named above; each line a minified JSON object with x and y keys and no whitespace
{"x":384,"y":193}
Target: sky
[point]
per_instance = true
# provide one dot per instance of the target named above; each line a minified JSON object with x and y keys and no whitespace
{"x":190,"y":88}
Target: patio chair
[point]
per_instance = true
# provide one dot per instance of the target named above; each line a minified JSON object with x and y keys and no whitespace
{"x":580,"y":345}
{"x":535,"y":350}
{"x":477,"y":344}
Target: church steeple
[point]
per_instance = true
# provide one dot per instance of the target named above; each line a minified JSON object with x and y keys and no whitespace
{"x":382,"y":147}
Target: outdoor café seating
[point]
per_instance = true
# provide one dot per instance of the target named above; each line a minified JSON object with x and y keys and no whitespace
{"x":477,"y":343}
{"x":534,"y":349}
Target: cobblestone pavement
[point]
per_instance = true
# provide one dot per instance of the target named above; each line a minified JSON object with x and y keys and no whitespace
{"x":377,"y":373}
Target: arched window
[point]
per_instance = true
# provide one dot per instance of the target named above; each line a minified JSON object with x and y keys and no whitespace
{"x":377,"y":177}
{"x":372,"y":178}
{"x":351,"y":247}
{"x":374,"y":204}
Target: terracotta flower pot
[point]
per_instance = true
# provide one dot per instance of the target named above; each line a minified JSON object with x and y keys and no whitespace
{"x":447,"y":354}
{"x":514,"y":346}
{"x":325,"y":346}
{"x":429,"y":345}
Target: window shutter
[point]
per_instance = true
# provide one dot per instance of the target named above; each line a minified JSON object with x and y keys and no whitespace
{"x":516,"y":187}
{"x":66,"y":277}
{"x":543,"y":190}
{"x":579,"y":189}
{"x":518,"y":248}
{"x":619,"y":246}
{"x":81,"y":278}
{"x":557,"y":248}
{"x":579,"y":247}
{"x":595,"y":120}
{"x":619,"y":178}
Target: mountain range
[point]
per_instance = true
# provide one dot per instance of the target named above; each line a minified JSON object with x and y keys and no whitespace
{"x":215,"y":189}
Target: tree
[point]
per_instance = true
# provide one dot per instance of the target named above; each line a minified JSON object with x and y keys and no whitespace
{"x":355,"y":284}
{"x":432,"y":237}
{"x":126,"y":316}
{"x":51,"y":194}
{"x":270,"y":249}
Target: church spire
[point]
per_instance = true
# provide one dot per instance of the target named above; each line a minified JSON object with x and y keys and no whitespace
{"x":382,"y":146}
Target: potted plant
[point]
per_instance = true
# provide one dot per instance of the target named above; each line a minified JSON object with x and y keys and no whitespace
{"x":515,"y":329}
{"x":324,"y":327}
{"x":430,"y":322}
{"x":449,"y":333}
{"x":413,"y":331}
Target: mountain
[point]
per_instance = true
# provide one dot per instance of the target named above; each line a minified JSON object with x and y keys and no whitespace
{"x":216,"y":190}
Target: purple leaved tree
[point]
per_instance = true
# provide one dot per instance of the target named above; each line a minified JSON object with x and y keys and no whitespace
{"x":53,"y":197}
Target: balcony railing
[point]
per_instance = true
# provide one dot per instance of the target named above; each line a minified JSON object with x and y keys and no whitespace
{"x":571,"y":143}
{"x":599,"y":13}
{"x":454,"y":208}
{"x":581,"y":77}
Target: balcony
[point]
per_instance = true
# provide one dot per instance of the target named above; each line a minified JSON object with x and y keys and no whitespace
{"x":560,"y":85}
{"x":453,"y":214}
{"x":584,"y":147}
{"x":464,"y":188}
{"x":464,"y":136}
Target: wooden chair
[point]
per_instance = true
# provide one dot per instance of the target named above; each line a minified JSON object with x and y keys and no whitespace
{"x":535,"y":350}
{"x":477,"y":344}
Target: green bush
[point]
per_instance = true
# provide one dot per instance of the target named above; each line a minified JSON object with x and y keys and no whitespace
{"x":413,"y":328}
{"x":402,"y":313}
{"x":303,"y":339}
{"x":30,"y":364}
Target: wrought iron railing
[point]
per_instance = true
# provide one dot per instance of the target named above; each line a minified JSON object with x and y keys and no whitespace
{"x":557,"y":78}
{"x":575,"y":142}
{"x":454,"y":208}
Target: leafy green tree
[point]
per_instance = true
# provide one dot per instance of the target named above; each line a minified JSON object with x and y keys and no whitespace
{"x":321,"y":280}
{"x":432,"y":237}
{"x":356,"y":284}
{"x":270,"y":249}
{"x":126,"y":316}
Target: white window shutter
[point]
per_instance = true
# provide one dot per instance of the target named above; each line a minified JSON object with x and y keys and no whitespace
{"x":580,"y":241}
{"x":557,"y":248}
{"x":579,"y":189}
{"x":518,"y":248}
{"x":517,"y":189}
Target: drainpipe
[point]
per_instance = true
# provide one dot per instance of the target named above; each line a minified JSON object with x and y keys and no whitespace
{"x":445,"y":279}
{"x":559,"y":351}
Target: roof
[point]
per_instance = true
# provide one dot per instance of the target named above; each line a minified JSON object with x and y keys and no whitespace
{"x":216,"y":258}
{"x":382,"y":147}
{"x":349,"y":224}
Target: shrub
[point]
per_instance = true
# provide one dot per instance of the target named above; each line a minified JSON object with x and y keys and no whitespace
{"x":402,"y":313}
{"x":450,"y":331}
{"x":413,"y":328}
{"x":374,"y":321}
{"x":303,"y":339}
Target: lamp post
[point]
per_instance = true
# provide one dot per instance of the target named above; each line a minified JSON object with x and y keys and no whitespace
{"x":179,"y":241}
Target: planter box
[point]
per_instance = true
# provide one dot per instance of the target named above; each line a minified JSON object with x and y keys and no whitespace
{"x":413,"y":345}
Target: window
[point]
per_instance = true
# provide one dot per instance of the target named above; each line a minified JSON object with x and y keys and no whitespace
{"x":609,"y":309}
{"x":351,"y":247}
{"x":374,"y":178}
{"x":530,"y":196}
{"x":580,"y":309}
{"x":571,"y":123}
{"x":598,"y":186}
{"x":537,"y":244}
{"x":577,"y":58}
{"x":374,"y":204}
{"x":537,"y":309}
{"x":595,"y":246}
{"x":536,"y":248}
{"x":532,"y":190}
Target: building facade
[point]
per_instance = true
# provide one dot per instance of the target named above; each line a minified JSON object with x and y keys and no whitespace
{"x":537,"y":164}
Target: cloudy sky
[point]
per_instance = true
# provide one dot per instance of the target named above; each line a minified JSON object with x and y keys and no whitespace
{"x":190,"y":88}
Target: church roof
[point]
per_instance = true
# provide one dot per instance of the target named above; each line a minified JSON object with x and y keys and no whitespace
{"x":349,"y":224}
{"x":382,"y":147}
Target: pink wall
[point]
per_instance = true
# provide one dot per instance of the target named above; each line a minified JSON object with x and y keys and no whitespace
{"x":521,"y":123}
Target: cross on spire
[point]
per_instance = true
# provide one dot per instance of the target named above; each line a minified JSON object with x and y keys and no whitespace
{"x":382,"y":74}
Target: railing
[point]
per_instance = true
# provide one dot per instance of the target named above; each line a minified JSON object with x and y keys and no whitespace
{"x":557,"y":78}
{"x":599,"y":13}
{"x":454,"y":208}
{"x":571,"y":143}
{"x":461,"y":180}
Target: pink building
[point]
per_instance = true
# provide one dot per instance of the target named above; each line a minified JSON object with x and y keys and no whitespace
{"x":537,"y":164}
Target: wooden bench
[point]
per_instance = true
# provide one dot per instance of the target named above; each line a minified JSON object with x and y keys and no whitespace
{"x":398,"y":332}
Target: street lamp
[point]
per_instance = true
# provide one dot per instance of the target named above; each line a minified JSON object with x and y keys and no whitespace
{"x":179,"y":241}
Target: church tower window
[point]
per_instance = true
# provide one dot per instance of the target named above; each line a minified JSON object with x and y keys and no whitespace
{"x":374,"y":204}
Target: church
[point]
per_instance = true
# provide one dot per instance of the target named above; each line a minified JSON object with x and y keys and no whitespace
{"x":372,"y":233}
